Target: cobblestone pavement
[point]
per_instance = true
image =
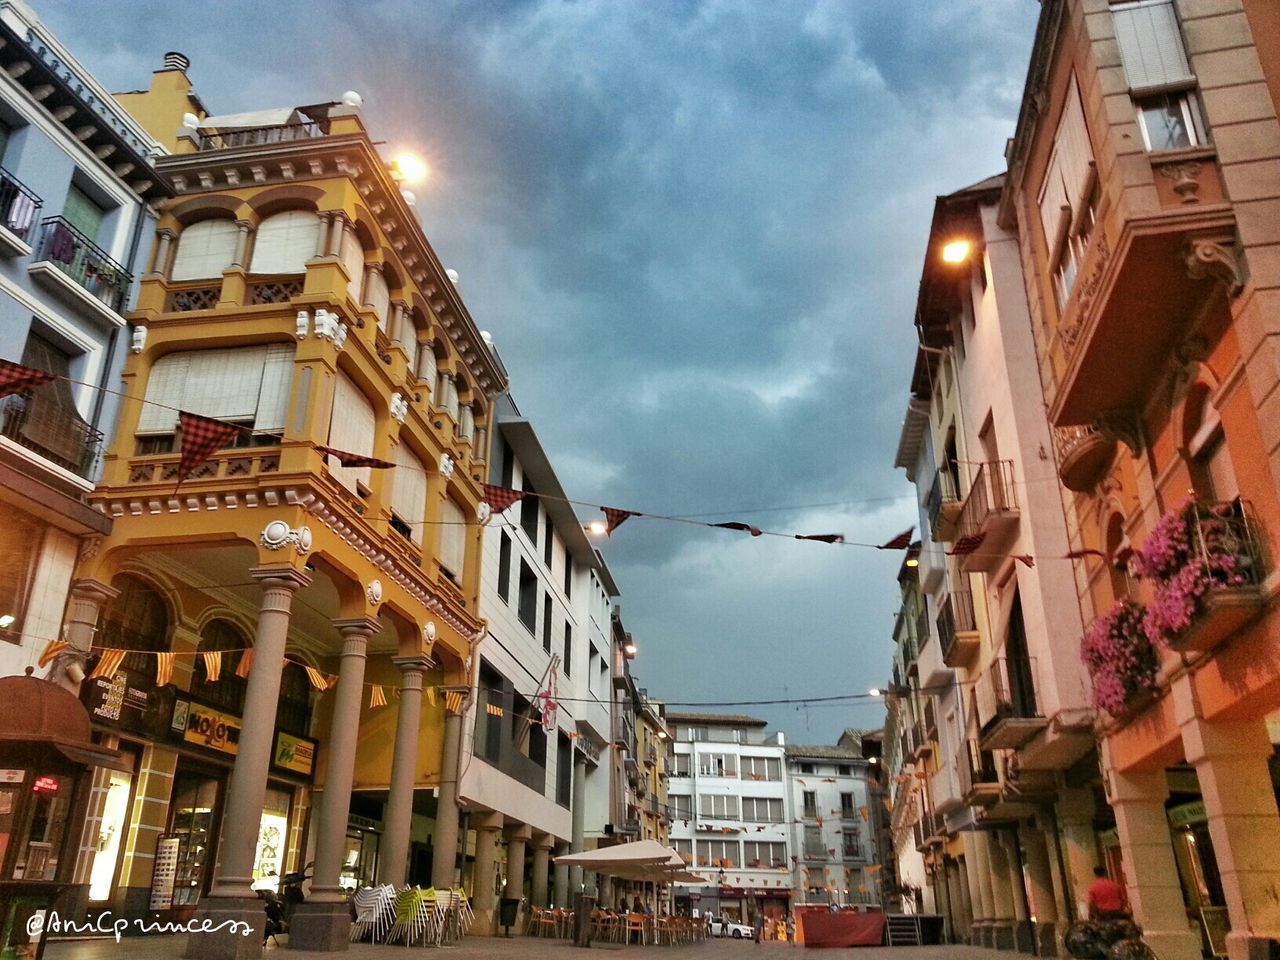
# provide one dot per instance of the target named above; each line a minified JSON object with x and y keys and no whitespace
{"x":522,"y":948}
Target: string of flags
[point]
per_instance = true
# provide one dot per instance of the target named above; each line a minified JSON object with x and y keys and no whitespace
{"x":203,"y":436}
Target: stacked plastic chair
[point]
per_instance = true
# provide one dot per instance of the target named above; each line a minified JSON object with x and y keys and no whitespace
{"x":375,"y":912}
{"x":414,"y":912}
{"x":464,"y":908}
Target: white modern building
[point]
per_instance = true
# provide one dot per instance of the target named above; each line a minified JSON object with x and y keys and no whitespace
{"x":730,"y":810}
{"x":532,"y":771}
{"x":831,"y":827}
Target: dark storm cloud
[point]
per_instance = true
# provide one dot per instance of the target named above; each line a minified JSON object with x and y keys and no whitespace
{"x":695,"y":231}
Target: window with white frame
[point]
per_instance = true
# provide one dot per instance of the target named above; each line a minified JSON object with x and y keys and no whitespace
{"x":205,"y":249}
{"x":284,"y":242}
{"x":814,"y":848}
{"x":1068,"y":196}
{"x":762,"y":853}
{"x":681,"y":765}
{"x":718,"y":853}
{"x":718,"y":806}
{"x":1160,"y":79}
{"x":717,"y":765}
{"x":762,"y":810}
{"x":243,"y":385}
{"x":684,"y":848}
{"x":681,"y":805}
{"x":408,"y":493}
{"x":809,"y":800}
{"x":761,"y":768}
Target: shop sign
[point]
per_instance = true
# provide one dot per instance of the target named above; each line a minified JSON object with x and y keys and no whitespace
{"x":361,"y":823}
{"x":294,"y":754}
{"x":12,"y":776}
{"x":208,"y":728}
{"x":128,"y":701}
{"x":1188,"y":813}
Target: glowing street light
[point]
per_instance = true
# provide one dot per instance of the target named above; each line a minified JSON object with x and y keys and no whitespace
{"x":957,"y":251}
{"x":598,"y":528}
{"x":410,"y":169}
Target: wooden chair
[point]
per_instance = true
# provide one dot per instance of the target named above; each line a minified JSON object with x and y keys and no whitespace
{"x":635,"y":923}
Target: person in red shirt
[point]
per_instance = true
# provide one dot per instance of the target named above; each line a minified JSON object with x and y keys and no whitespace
{"x":1106,"y":897}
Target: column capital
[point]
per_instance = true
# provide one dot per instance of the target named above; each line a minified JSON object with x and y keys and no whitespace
{"x":167,"y":233}
{"x":544,"y":841}
{"x":354,"y":626}
{"x":487,"y":820}
{"x":455,"y":699}
{"x":417,"y":664}
{"x":521,"y":831}
{"x":94,"y":590}
{"x":286,"y":577}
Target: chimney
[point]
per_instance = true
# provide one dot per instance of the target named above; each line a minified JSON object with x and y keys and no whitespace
{"x":173,"y":60}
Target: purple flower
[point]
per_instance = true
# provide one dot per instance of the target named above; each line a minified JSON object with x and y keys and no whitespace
{"x":1119,"y":656}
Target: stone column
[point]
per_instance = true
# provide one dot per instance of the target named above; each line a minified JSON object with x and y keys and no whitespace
{"x":445,"y":841}
{"x":395,"y":325}
{"x":542,"y":845}
{"x":164,"y":240}
{"x":398,"y":817}
{"x":1079,"y":845}
{"x":560,"y":892}
{"x":484,"y":872}
{"x":1040,"y":876}
{"x":1151,"y":874}
{"x":322,"y":922}
{"x":1002,"y":914}
{"x":1023,"y":937}
{"x":979,"y":885}
{"x":232,"y":897}
{"x":242,"y":244}
{"x":579,"y":823}
{"x":960,"y":914}
{"x":335,"y":234}
{"x":1239,"y":800}
{"x":322,"y":235}
{"x":517,"y":843}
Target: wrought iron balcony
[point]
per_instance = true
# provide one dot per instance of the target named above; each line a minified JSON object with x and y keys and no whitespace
{"x":990,"y":509}
{"x":256,"y":136}
{"x":943,"y":504}
{"x":42,"y":425}
{"x":979,"y":779}
{"x":1084,"y":451}
{"x":1007,"y":700}
{"x":84,"y":262}
{"x":958,"y":629}
{"x":19,"y":207}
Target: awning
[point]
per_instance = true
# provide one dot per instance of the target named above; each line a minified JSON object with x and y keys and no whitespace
{"x":637,"y":853}
{"x":277,"y":117}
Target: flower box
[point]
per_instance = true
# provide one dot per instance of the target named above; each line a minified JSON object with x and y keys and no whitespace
{"x":1224,"y":611}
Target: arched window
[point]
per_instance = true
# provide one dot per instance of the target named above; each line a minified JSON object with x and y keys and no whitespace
{"x":227,"y":691}
{"x":138,"y":619}
{"x":205,"y":249}
{"x":453,"y":540}
{"x":1212,"y":475}
{"x":285,"y":242}
{"x":294,"y":713}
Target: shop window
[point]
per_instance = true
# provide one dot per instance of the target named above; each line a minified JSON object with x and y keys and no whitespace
{"x":273,"y":841}
{"x":284,"y":242}
{"x":137,"y":619}
{"x":205,"y":249}
{"x":227,"y":692}
{"x":196,"y":798}
{"x":111,"y":828}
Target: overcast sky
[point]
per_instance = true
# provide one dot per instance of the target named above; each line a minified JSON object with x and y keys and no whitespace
{"x":695,"y":231}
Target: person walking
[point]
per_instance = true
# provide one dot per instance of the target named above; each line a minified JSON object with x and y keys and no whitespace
{"x":759,"y":926}
{"x":791,"y":929}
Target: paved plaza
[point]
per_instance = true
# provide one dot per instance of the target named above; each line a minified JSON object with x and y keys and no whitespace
{"x":523,"y":948}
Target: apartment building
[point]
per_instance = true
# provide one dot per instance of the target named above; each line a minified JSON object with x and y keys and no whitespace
{"x":832,"y":831}
{"x":730,"y":814}
{"x":1143,"y":185}
{"x":540,"y":713}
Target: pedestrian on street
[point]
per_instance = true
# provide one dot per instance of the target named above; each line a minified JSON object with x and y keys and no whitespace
{"x":1106,"y":898}
{"x":791,"y":929}
{"x":759,"y":925}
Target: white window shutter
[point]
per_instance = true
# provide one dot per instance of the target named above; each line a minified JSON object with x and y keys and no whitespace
{"x":285,"y":242}
{"x":225,"y":383}
{"x":273,"y":396}
{"x":409,"y":490}
{"x":351,"y":429}
{"x":165,"y":387}
{"x":1151,"y":45}
{"x":352,"y":256}
{"x":466,"y":423}
{"x":453,"y":538}
{"x":427,"y":372}
{"x":379,"y":297}
{"x":409,"y":340}
{"x":1075,"y":152}
{"x":204,"y":250}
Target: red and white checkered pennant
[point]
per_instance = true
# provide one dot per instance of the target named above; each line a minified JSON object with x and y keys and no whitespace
{"x":201,"y":437}
{"x":14,"y":378}
{"x":500,"y":498}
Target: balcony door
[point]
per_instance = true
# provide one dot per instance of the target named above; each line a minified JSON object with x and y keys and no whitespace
{"x":1022,"y":695}
{"x":83,"y":213}
{"x":50,"y":421}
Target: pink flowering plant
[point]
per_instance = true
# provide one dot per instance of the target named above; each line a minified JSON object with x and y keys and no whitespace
{"x":1120,"y":657}
{"x":1190,"y":552}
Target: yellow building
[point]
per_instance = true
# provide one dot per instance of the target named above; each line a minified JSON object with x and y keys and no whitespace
{"x":291,"y":292}
{"x":651,"y":747}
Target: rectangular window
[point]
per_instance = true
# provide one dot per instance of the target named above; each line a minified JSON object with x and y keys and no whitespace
{"x":813,"y":845}
{"x":810,"y":804}
{"x":762,"y":809}
{"x":564,"y":770}
{"x":568,"y":576}
{"x":844,"y":771}
{"x":19,"y":552}
{"x":1169,"y":121}
{"x":695,"y":733}
{"x":504,"y":568}
{"x":507,"y":472}
{"x":527,"y":600}
{"x":718,"y":806}
{"x":718,"y":853}
{"x":806,"y":768}
{"x":83,"y":212}
{"x":546,"y":622}
{"x":681,"y":805}
{"x":548,"y":547}
{"x":1159,"y":75}
{"x":717,"y":765}
{"x":567,"y":662}
{"x":681,"y":765}
{"x":761,"y":768}
{"x":453,"y":540}
{"x":852,"y":843}
{"x":408,"y":493}
{"x":758,"y":853}
{"x":684,"y":848}
{"x":529,"y":515}
{"x":847,"y":811}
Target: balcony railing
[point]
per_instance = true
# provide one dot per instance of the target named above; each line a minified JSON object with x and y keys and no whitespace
{"x":39,"y":423}
{"x":991,"y":509}
{"x":19,"y":205}
{"x":977,"y":771}
{"x":1084,"y":452}
{"x":957,"y":628}
{"x":254,"y":136}
{"x":84,"y":262}
{"x":1007,"y":698}
{"x":943,"y":505}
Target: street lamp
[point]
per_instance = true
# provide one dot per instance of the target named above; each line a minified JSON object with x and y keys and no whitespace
{"x":956,"y":251}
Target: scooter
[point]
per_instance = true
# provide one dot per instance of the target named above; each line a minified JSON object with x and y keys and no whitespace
{"x":291,"y":890}
{"x":279,"y":907}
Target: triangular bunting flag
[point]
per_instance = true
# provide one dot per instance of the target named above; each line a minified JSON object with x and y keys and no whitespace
{"x":201,"y":437}
{"x":1085,"y":552}
{"x":614,"y":518}
{"x":212,"y":665}
{"x":318,"y":679}
{"x":348,"y":459}
{"x":15,"y":378}
{"x":431,"y":695}
{"x":245,"y":664}
{"x":500,"y":498}
{"x":108,"y":664}
{"x":164,"y":668}
{"x":51,"y":650}
{"x":737,"y":525}
{"x":453,"y":700}
{"x":1026,"y":559}
{"x":967,"y":545}
{"x":377,"y":697}
{"x":900,"y":542}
